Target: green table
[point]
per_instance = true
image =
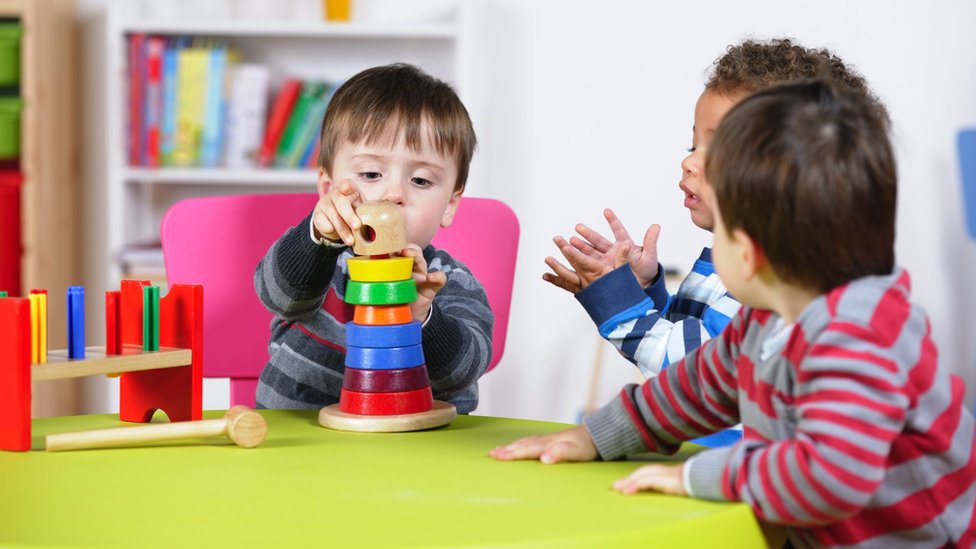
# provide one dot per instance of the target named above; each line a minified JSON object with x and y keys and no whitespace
{"x":307,"y":486}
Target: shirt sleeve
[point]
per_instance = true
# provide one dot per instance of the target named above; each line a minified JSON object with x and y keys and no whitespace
{"x":649,"y":328}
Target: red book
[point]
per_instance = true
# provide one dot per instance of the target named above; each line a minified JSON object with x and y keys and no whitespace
{"x":278,"y":119}
{"x":153,"y":92}
{"x":136,"y":80}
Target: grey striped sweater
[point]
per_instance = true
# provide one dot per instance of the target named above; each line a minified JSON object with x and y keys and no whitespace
{"x":303,"y":284}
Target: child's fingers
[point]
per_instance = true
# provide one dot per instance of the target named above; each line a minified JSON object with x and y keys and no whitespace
{"x":619,"y":231}
{"x":561,"y":270}
{"x":585,"y":247}
{"x":524,"y":448}
{"x":651,"y":236}
{"x":436,"y":280}
{"x":660,"y":478}
{"x":596,"y":239}
{"x":339,"y":226}
{"x":560,"y":282}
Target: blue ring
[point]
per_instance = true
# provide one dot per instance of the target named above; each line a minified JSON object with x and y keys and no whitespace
{"x":393,"y":335}
{"x":384,"y":358}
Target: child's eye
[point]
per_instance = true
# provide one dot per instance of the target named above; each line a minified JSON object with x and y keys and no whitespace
{"x":422,"y":182}
{"x":691,"y":149}
{"x":370,"y":176}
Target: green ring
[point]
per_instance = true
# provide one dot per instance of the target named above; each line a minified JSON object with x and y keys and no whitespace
{"x":381,"y":293}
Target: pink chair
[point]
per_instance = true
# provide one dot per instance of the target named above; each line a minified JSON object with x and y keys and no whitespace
{"x":218,"y":241}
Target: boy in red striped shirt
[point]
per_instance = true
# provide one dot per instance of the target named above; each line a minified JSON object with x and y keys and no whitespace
{"x":853,"y":435}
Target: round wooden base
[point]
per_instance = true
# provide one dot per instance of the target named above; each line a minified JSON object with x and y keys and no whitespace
{"x":441,"y":414}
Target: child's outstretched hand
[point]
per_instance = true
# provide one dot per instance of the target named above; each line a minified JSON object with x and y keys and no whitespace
{"x":604,"y":255}
{"x":428,"y":284}
{"x":666,"y":479}
{"x":335,"y":216}
{"x":570,"y":445}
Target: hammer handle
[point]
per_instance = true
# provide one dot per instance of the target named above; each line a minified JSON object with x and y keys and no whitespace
{"x":126,"y":436}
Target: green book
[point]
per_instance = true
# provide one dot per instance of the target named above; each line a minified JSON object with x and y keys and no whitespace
{"x":308,"y":132}
{"x":306,"y":98}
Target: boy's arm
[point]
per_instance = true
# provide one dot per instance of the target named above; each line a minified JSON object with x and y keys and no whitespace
{"x":292,"y":278}
{"x":851,"y":400}
{"x":696,"y":396}
{"x":638,"y":321}
{"x":457,"y":336}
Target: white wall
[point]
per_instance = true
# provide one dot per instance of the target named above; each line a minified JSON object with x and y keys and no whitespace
{"x":590,"y":106}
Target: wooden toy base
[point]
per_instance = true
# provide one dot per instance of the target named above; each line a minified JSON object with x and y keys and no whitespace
{"x":441,"y":414}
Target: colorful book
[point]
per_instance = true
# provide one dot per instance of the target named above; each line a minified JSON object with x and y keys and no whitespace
{"x":135,"y":99}
{"x":167,"y":137}
{"x":192,"y":75}
{"x":278,"y":119}
{"x":311,"y":92}
{"x":308,"y":131}
{"x":211,"y":141}
{"x":246,"y":111}
{"x":153,"y":106}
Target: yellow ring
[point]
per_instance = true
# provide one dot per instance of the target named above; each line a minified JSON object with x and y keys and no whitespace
{"x":362,"y":269}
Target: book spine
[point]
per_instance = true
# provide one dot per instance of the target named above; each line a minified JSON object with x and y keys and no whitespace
{"x":153,"y":99}
{"x":246,"y":113}
{"x":136,"y":79}
{"x":167,"y":139}
{"x":213,"y":119}
{"x":280,"y":111}
{"x":310,"y":92}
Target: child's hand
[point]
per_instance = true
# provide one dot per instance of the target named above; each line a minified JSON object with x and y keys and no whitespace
{"x":335,"y":216}
{"x":667,"y":479}
{"x":584,"y":269}
{"x":570,"y":445}
{"x":428,"y":284}
{"x":642,"y":259}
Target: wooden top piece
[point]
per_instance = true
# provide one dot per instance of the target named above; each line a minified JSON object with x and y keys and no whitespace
{"x":383,"y":231}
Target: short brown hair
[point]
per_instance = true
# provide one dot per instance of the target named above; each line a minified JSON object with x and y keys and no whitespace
{"x":405,"y":96}
{"x":754,"y":65}
{"x":808,"y":172}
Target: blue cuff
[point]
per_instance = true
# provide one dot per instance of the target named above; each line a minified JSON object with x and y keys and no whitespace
{"x":615,"y":297}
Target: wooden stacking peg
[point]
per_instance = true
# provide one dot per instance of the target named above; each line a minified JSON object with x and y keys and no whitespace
{"x":382,"y":231}
{"x":245,"y":427}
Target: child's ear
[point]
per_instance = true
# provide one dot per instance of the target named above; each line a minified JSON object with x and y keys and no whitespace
{"x":451,"y":209}
{"x":324,"y":183}
{"x":751,"y":255}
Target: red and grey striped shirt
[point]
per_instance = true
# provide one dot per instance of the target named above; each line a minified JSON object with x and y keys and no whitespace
{"x":853,"y":434}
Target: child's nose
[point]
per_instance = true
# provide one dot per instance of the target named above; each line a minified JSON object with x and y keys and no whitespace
{"x":690,"y":164}
{"x":394,"y":192}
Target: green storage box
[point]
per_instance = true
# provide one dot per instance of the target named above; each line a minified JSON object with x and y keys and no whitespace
{"x":10,"y":127}
{"x":10,"y":54}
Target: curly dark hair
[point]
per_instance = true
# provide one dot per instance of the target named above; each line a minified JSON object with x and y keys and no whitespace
{"x":754,"y":65}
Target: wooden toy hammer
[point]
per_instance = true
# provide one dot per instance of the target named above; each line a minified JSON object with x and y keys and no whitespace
{"x":243,"y":425}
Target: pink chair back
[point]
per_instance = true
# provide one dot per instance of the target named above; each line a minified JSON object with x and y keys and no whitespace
{"x":218,"y":241}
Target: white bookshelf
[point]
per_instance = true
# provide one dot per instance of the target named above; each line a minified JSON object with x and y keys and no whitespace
{"x":123,"y":205}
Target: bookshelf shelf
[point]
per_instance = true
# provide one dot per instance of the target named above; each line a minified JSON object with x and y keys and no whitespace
{"x":429,"y":31}
{"x":222,"y":176}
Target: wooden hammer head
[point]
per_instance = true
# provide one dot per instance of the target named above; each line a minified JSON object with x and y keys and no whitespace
{"x":383,"y":231}
{"x":245,"y":426}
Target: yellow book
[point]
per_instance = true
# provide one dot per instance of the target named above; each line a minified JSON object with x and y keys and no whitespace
{"x":191,"y":94}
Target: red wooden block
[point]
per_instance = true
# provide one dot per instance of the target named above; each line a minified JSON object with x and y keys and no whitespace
{"x":386,"y":404}
{"x":176,"y":391}
{"x":15,"y":374}
{"x":385,"y":381}
{"x":113,"y":332}
{"x":382,"y":315}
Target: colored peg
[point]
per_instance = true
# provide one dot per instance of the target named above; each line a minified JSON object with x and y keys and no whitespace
{"x":38,"y":306}
{"x":76,"y":322}
{"x":113,"y":322}
{"x":245,"y":427}
{"x":150,"y":318}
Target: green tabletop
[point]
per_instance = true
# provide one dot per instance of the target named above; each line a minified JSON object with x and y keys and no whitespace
{"x":307,"y":486}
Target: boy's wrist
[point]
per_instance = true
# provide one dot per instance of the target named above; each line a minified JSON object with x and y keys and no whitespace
{"x":322,"y":241}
